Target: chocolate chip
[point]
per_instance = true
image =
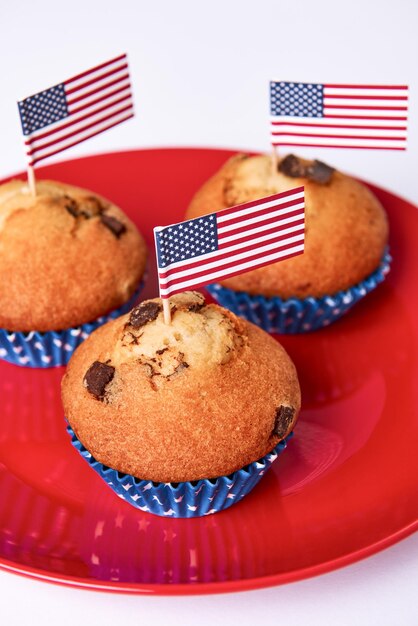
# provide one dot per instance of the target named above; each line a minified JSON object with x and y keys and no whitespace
{"x":198,"y":304}
{"x":88,"y":206}
{"x":292,"y":166}
{"x":144,"y":313}
{"x":71,"y":205}
{"x":161,"y":351}
{"x":284,"y":417}
{"x":113,"y":224}
{"x":97,"y":377}
{"x":195,"y":307}
{"x":319,"y":172}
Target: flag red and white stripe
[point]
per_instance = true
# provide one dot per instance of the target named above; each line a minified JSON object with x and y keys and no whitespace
{"x":96,"y":100}
{"x":353,"y":116}
{"x":247,"y":236}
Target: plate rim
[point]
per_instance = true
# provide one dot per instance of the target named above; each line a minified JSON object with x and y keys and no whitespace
{"x":227,"y":586}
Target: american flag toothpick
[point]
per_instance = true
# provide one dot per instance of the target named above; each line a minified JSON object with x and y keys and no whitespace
{"x":75,"y":110}
{"x":338,"y":116}
{"x":205,"y":249}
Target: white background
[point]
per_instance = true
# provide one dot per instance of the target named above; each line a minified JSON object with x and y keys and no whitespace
{"x":200,"y":72}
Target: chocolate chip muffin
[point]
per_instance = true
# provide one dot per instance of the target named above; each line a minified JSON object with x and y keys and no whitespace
{"x":67,"y":256}
{"x":197,"y":399}
{"x":346,"y":230}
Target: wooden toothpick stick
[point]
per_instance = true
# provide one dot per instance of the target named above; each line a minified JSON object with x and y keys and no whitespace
{"x":166,"y":311}
{"x":274,"y":161}
{"x":31,"y":180}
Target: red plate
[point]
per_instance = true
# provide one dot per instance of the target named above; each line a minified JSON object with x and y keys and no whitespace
{"x":345,"y":488}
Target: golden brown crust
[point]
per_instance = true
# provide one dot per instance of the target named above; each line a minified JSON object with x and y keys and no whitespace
{"x":58,"y":270}
{"x":213,"y":417}
{"x":346,"y":228}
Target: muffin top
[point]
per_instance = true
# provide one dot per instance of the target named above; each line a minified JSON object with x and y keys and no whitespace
{"x":199,"y":398}
{"x":67,"y":256}
{"x":346,"y":228}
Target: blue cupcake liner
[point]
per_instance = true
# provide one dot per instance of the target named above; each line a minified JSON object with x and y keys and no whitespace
{"x":54,"y":347}
{"x":294,"y":315}
{"x":187,"y":499}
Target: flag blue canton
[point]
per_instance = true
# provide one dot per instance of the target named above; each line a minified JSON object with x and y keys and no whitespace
{"x":187,"y":240}
{"x":42,"y":109}
{"x":296,"y":99}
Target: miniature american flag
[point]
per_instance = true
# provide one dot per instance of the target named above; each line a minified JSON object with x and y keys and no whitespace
{"x":77,"y":109}
{"x":338,"y":116}
{"x":238,"y":239}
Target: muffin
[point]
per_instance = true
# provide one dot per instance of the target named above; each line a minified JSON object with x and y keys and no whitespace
{"x":346,"y":238}
{"x":175,"y":416}
{"x":68,"y":257}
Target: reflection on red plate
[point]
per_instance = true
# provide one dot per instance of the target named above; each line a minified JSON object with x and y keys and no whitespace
{"x":345,"y":488}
